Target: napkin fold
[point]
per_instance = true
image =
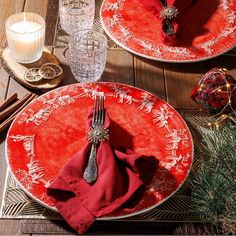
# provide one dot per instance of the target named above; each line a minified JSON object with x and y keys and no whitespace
{"x":169,"y":27}
{"x":122,"y":177}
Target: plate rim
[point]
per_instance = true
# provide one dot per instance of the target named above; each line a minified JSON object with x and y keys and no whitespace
{"x":110,"y":217}
{"x":156,"y":58}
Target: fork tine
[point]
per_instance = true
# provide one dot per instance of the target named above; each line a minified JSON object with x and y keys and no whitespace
{"x":99,"y":112}
{"x":102,"y":111}
{"x":96,"y":107}
{"x":94,"y":111}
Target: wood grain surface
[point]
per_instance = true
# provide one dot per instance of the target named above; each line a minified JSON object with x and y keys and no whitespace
{"x":171,"y":82}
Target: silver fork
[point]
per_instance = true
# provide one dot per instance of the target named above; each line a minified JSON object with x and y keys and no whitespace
{"x":95,"y":135}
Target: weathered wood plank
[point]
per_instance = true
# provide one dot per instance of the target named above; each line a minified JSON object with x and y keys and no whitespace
{"x":10,"y":227}
{"x":228,"y":62}
{"x":37,"y":6}
{"x":149,"y":76}
{"x":15,"y":87}
{"x":47,"y":9}
{"x":180,"y":80}
{"x":51,"y":21}
{"x":46,"y":227}
{"x":121,"y":228}
{"x":8,"y":8}
{"x":119,"y":67}
{"x":4,"y":80}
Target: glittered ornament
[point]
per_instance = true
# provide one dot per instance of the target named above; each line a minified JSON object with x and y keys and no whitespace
{"x":216,"y":91}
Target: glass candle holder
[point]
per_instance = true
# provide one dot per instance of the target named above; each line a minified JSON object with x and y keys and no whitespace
{"x":76,"y":15}
{"x":87,"y":55}
{"x":25,"y":36}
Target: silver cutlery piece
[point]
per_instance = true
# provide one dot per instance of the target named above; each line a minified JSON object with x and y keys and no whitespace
{"x":96,"y":134}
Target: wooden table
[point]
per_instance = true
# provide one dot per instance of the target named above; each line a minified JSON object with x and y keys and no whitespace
{"x":171,"y":82}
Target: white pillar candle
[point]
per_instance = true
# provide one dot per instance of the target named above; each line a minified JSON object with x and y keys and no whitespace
{"x":25,"y":36}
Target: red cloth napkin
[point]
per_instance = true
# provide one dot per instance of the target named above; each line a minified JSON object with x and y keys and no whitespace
{"x":155,"y":6}
{"x":122,"y":176}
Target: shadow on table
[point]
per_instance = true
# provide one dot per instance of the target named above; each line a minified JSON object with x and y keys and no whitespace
{"x":3,"y":136}
{"x":68,"y":76}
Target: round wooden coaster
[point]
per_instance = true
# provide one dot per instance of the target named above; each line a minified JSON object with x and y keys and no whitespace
{"x":17,"y":70}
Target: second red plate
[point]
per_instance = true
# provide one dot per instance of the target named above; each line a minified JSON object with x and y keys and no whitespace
{"x":207,"y":30}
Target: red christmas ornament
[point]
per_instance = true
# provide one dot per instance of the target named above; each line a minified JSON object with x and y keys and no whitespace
{"x":216,"y":91}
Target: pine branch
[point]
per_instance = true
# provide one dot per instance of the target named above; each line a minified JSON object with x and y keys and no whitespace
{"x":214,"y":185}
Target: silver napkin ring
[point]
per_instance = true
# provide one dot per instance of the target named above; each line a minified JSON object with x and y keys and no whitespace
{"x":169,"y":12}
{"x":97,"y":134}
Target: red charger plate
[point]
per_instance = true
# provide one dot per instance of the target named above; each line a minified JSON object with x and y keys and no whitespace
{"x":207,"y":30}
{"x":45,"y":135}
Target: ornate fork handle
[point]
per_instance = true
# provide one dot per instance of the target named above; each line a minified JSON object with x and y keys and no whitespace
{"x":95,"y":135}
{"x":91,"y":171}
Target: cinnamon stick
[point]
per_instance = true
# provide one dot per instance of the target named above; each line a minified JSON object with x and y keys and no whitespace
{"x":8,"y":121}
{"x":8,"y":101}
{"x":24,"y":105}
{"x":8,"y":111}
